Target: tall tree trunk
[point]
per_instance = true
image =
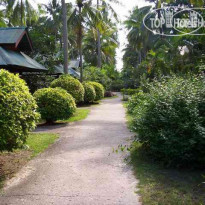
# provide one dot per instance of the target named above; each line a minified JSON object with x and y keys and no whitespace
{"x":80,"y":44}
{"x":21,"y":12}
{"x":65,"y":37}
{"x":99,"y":44}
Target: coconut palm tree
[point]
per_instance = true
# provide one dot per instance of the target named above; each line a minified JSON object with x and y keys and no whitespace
{"x":20,"y":12}
{"x":105,"y":5}
{"x":84,"y":14}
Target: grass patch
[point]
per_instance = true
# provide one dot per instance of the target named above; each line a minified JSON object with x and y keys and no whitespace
{"x":12,"y":162}
{"x":38,"y":142}
{"x":89,"y":104}
{"x":160,"y":186}
{"x":79,"y":115}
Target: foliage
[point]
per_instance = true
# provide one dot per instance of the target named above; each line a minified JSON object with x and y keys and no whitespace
{"x":117,"y":85}
{"x":90,"y":94}
{"x":136,"y":102}
{"x":170,"y":120}
{"x":129,"y":91}
{"x":17,"y":111}
{"x":54,"y":104}
{"x":150,"y":56}
{"x":71,"y":85}
{"x":20,"y":12}
{"x":99,"y":90}
{"x":36,"y":82}
{"x":97,"y":75}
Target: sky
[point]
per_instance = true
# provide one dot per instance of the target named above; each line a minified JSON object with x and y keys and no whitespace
{"x":123,"y":11}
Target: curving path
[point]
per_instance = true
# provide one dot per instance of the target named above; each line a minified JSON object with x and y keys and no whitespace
{"x":80,"y":167}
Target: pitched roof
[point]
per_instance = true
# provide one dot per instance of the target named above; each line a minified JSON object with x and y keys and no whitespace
{"x":15,"y":38}
{"x":60,"y":70}
{"x":18,"y":62}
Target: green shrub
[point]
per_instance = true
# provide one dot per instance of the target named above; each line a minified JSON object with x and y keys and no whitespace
{"x":130,"y":91}
{"x":95,"y":74}
{"x":17,"y":111}
{"x":171,"y":121}
{"x":90,"y":94}
{"x":54,"y":104}
{"x":99,"y":90}
{"x":71,"y":85}
{"x":136,"y":102}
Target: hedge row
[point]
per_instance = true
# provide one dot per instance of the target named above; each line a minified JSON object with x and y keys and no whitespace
{"x":19,"y":110}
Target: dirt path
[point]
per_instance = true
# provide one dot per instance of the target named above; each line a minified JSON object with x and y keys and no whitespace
{"x":80,"y":167}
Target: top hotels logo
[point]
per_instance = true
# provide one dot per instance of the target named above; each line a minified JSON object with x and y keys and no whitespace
{"x":175,"y":21}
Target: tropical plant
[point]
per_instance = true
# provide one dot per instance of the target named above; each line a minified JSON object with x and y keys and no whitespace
{"x":20,"y":12}
{"x":18,"y":113}
{"x":71,"y":85}
{"x":54,"y":104}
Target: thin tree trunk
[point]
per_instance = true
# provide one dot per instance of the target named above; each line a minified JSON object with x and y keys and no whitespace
{"x":21,"y":12}
{"x":99,"y":44}
{"x":65,"y":37}
{"x":80,"y":45}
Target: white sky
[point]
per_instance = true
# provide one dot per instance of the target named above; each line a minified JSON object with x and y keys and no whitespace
{"x":122,"y":11}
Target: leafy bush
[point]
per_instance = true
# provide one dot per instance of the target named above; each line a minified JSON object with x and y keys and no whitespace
{"x":136,"y":102}
{"x":71,"y":85}
{"x":171,"y":121}
{"x":99,"y":90}
{"x":97,"y":75}
{"x":36,"y":82}
{"x":130,"y":91}
{"x":17,"y":111}
{"x":54,"y":104}
{"x":90,"y":94}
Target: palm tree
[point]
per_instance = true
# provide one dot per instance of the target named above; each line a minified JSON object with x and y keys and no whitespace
{"x":20,"y":12}
{"x":83,"y":14}
{"x":65,"y":37}
{"x":108,"y":46}
{"x":105,"y":6}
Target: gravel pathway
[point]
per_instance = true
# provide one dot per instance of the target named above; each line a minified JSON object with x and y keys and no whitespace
{"x":80,"y":168}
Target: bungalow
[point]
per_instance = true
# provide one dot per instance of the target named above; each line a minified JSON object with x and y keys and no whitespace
{"x":13,"y":42}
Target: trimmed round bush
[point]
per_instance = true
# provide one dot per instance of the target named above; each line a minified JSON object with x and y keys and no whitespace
{"x":54,"y":104}
{"x":99,"y":90}
{"x":71,"y":85}
{"x":90,"y":94}
{"x":171,"y":121}
{"x":18,"y":113}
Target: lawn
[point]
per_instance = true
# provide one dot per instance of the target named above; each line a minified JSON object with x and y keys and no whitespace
{"x":158,"y":185}
{"x":79,"y":115}
{"x":12,"y":162}
{"x":38,"y":142}
{"x":162,"y":186}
